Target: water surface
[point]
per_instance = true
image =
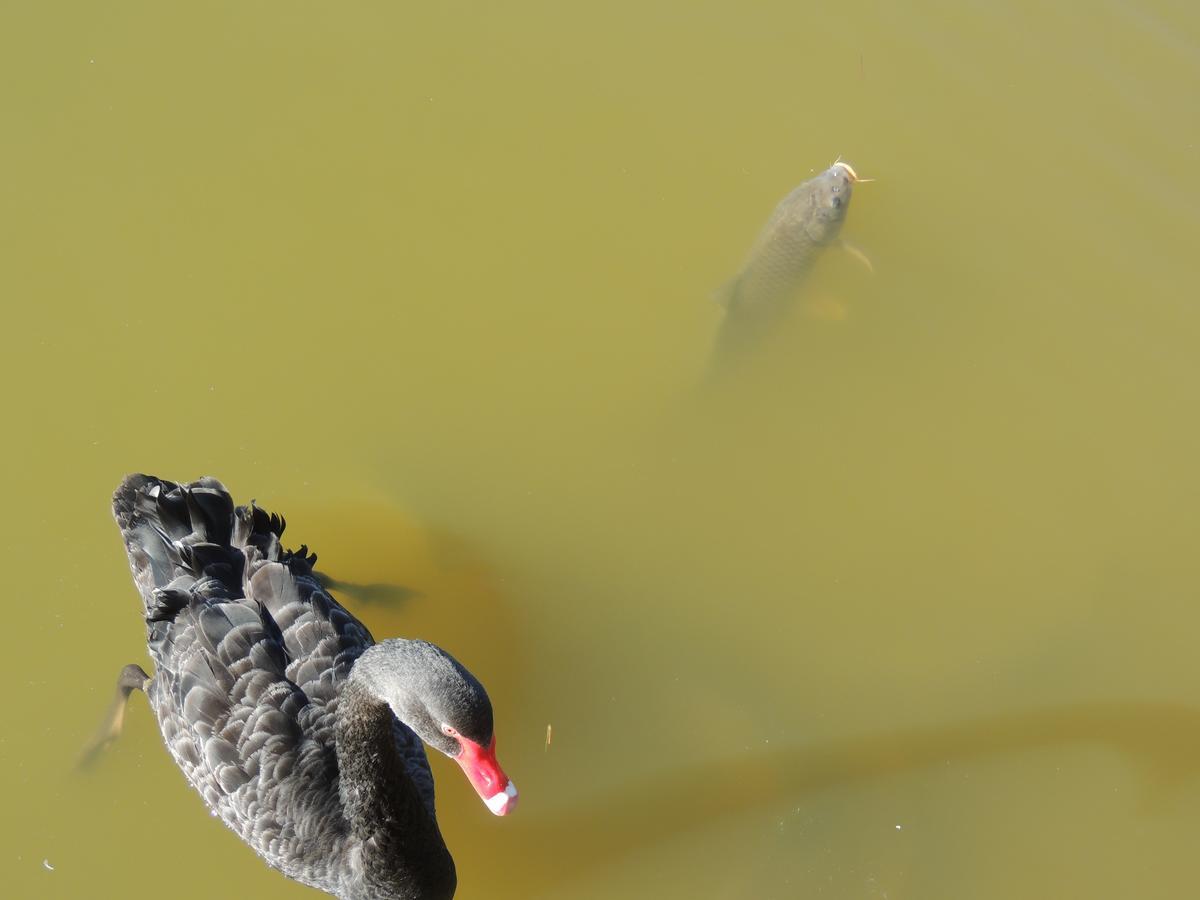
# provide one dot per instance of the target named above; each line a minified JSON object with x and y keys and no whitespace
{"x":907,"y":611}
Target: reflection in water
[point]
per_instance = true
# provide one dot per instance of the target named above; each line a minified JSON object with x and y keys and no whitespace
{"x":1162,"y":740}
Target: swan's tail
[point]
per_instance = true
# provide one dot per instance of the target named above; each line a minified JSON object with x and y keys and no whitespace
{"x":177,"y":535}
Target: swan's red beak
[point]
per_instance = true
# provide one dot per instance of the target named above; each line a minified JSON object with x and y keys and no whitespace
{"x":486,"y":776}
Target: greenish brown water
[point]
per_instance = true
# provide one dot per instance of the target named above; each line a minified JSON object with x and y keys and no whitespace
{"x":909,"y":611}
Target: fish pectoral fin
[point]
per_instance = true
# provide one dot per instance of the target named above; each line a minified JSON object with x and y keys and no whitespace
{"x":727,"y":293}
{"x":857,"y":254}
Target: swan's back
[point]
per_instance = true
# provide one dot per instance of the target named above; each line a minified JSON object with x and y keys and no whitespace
{"x":250,"y":654}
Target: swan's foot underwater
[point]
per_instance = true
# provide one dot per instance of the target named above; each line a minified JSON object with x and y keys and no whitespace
{"x":369,"y":592}
{"x":132,"y":678}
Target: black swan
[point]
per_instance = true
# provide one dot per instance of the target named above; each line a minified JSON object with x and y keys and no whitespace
{"x":298,"y":730}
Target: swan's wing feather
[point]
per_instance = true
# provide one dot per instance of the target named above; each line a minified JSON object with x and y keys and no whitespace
{"x":247,"y":737}
{"x":321,"y":640}
{"x":250,"y":654}
{"x":244,"y":734}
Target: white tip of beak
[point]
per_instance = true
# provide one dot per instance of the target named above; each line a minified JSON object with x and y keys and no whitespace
{"x":503,"y":803}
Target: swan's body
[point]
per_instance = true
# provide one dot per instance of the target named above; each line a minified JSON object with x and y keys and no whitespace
{"x":300,"y":732}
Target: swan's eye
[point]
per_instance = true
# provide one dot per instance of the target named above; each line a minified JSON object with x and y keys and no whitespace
{"x":449,"y":731}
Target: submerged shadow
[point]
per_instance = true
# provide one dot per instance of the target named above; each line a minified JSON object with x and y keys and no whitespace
{"x":1163,"y":740}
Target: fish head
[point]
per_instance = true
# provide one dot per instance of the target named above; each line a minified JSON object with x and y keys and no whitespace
{"x":830,"y":198}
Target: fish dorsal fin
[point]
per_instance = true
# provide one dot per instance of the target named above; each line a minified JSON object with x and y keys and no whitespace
{"x":727,"y":293}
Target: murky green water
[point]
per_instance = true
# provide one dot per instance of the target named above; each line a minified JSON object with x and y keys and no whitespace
{"x":907,"y":612}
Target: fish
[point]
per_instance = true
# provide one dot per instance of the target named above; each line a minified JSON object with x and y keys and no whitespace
{"x":805,"y":222}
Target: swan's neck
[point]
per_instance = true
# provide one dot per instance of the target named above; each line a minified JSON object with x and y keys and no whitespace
{"x":399,"y":850}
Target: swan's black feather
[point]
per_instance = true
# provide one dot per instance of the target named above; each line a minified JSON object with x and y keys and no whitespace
{"x":250,"y":654}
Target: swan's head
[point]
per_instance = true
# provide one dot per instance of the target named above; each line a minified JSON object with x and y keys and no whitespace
{"x":434,"y":695}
